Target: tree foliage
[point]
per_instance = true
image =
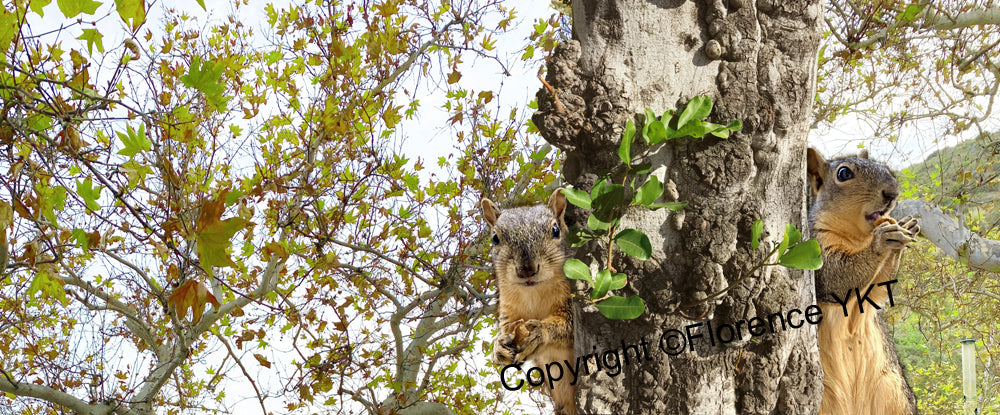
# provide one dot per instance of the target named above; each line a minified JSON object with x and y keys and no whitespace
{"x":209,"y":202}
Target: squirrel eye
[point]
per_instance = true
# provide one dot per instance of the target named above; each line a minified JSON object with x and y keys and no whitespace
{"x":844,"y":174}
{"x":555,"y":230}
{"x":496,"y":240}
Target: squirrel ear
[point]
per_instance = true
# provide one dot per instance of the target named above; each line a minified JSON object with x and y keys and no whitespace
{"x":816,"y":167}
{"x":490,"y":211}
{"x":863,"y":154}
{"x":557,"y":203}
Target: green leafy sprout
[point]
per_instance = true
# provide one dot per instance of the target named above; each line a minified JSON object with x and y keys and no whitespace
{"x":607,"y":202}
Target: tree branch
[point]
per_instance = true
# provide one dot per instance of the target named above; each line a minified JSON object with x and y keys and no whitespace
{"x":939,"y":20}
{"x":260,"y":398}
{"x":57,"y":397}
{"x":953,"y":239}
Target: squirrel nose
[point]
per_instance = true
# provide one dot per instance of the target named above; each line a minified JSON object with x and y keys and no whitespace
{"x":527,"y":270}
{"x":889,"y":195}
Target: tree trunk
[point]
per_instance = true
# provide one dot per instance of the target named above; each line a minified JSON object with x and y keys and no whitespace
{"x":756,"y":61}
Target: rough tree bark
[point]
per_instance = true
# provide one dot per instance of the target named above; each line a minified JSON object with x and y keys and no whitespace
{"x":756,"y":61}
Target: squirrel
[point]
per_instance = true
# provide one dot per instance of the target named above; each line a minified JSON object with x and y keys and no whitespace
{"x":536,"y":320}
{"x":861,"y":247}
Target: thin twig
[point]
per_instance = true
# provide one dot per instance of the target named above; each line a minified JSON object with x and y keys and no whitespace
{"x":245,"y":373}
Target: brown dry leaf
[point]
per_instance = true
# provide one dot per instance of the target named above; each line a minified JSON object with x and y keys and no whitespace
{"x":211,"y":211}
{"x":191,"y":295}
{"x":262,"y":360}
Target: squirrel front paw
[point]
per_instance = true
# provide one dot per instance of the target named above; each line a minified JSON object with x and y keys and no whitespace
{"x":911,"y":224}
{"x":503,"y":349}
{"x":893,"y":235}
{"x":528,"y":338}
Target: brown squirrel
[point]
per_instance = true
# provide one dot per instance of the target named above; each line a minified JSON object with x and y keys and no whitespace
{"x":861,"y":247}
{"x":536,"y":320}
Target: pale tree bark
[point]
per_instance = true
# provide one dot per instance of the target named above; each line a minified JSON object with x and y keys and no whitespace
{"x":756,"y":60}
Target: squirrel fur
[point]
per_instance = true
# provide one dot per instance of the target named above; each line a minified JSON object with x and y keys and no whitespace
{"x":861,"y":247}
{"x":536,"y":320}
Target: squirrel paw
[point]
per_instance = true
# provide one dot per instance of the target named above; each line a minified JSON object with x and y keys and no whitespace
{"x":503,"y":349}
{"x":529,"y":338}
{"x":895,"y":236}
{"x":911,"y":224}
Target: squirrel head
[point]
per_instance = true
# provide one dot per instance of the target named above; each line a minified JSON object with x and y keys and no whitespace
{"x":529,"y":243}
{"x":849,"y":193}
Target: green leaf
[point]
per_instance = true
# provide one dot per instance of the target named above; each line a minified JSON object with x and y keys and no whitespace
{"x":51,"y":199}
{"x":575,"y":269}
{"x":273,"y":56}
{"x":48,"y":285}
{"x":805,"y":255}
{"x":578,"y":237}
{"x":598,"y":188}
{"x":92,"y":36}
{"x":9,"y":26}
{"x":650,"y":117}
{"x":540,"y":154}
{"x":610,"y":197}
{"x":89,"y":194}
{"x":649,"y":192}
{"x":39,"y":122}
{"x":794,"y":236}
{"x":72,"y":8}
{"x":37,"y":6}
{"x":80,"y":236}
{"x":204,"y":76}
{"x":578,"y":198}
{"x":134,"y":141}
{"x":910,"y":13}
{"x":673,"y":206}
{"x":697,"y":108}
{"x":695,"y":129}
{"x":625,"y":148}
{"x":132,"y":12}
{"x":594,"y":223}
{"x":622,"y":308}
{"x":755,"y":233}
{"x":202,"y":4}
{"x":634,"y":243}
{"x":722,"y":131}
{"x":643,"y":168}
{"x":618,"y":281}
{"x":601,"y":284}
{"x":214,"y":241}
{"x":657,"y":132}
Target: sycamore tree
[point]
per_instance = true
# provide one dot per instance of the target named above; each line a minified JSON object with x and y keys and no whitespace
{"x":192,"y":203}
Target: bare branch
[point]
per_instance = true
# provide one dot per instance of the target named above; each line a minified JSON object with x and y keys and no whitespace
{"x":260,"y":398}
{"x":57,"y":397}
{"x":939,"y":20}
{"x":955,"y":240}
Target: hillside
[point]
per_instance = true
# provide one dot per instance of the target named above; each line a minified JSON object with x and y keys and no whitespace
{"x":968,"y":172}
